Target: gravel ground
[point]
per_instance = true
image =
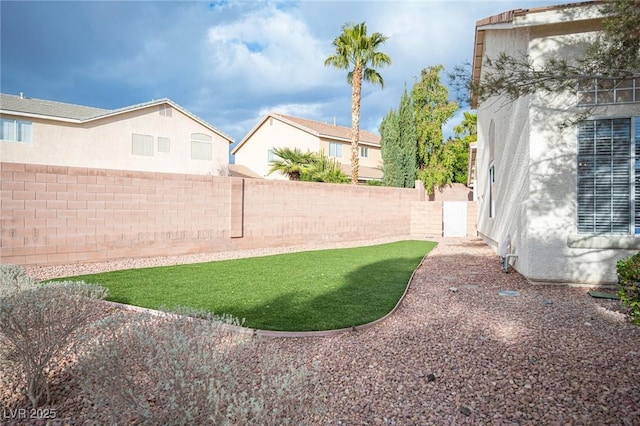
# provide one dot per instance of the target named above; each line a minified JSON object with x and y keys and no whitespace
{"x":550,"y":355}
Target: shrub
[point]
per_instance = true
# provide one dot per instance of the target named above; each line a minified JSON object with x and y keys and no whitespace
{"x":628,"y":270}
{"x":13,"y":279}
{"x":172,"y":369}
{"x":36,"y":325}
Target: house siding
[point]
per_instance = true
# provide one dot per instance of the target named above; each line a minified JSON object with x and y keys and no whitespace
{"x":106,"y":143}
{"x":535,"y":159}
{"x":273,"y":133}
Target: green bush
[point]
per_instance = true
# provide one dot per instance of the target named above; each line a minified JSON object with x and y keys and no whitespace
{"x":628,"y":270}
{"x":173,"y":369}
{"x":36,"y":326}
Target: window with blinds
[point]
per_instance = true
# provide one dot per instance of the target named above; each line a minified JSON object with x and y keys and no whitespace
{"x":142,"y":145}
{"x":201,"y":146}
{"x":609,"y":176}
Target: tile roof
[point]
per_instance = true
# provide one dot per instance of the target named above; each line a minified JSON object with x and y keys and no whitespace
{"x":329,"y":130}
{"x":364,"y":172}
{"x":50,"y":108}
{"x":238,"y":170}
{"x":20,"y":105}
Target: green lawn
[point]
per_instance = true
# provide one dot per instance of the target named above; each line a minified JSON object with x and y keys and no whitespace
{"x":314,"y":290}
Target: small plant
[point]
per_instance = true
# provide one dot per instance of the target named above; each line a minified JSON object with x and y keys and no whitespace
{"x":628,"y":270}
{"x":173,"y":369}
{"x":14,"y":279}
{"x":36,"y":325}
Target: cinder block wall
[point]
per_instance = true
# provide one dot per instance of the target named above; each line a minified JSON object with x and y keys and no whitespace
{"x":55,"y":215}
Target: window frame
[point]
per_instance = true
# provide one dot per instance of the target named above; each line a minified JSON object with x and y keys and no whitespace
{"x":336,"y":148}
{"x":201,"y":143}
{"x":162,"y":141}
{"x":17,"y":130}
{"x":608,"y":87}
{"x":147,"y":147}
{"x":632,"y":197}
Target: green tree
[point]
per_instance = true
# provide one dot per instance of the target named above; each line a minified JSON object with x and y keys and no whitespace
{"x":614,"y":55}
{"x":324,"y":169}
{"x":291,"y":162}
{"x":307,"y":166}
{"x":406,"y":156}
{"x":465,"y":134}
{"x":432,"y":108}
{"x":390,"y":144}
{"x":357,"y":51}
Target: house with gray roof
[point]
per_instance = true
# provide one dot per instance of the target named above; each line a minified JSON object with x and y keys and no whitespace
{"x":274,"y":130}
{"x":155,"y":136}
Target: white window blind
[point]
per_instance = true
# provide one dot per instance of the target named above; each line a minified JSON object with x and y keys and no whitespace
{"x":201,"y":146}
{"x":335,"y":149}
{"x":607,"y":202}
{"x":164,"y":144}
{"x":16,"y":130}
{"x":142,"y":145}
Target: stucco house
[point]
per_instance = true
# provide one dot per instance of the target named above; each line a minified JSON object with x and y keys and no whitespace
{"x":564,"y":203}
{"x":274,"y":130}
{"x":155,"y":136}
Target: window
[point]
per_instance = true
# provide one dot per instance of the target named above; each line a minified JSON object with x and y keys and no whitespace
{"x":271,"y":155}
{"x":164,"y":144}
{"x":201,"y":146}
{"x":142,"y":145}
{"x":603,"y":91}
{"x":16,"y":130}
{"x":364,"y":151}
{"x":609,"y":176}
{"x":492,"y":189}
{"x":165,"y":110}
{"x":335,"y":149}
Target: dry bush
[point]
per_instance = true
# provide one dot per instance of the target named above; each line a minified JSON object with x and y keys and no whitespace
{"x":171,"y":369}
{"x":14,"y":279}
{"x":36,"y":325}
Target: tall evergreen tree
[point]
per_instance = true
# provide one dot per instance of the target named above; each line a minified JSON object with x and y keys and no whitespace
{"x":390,"y":142}
{"x":407,"y":148}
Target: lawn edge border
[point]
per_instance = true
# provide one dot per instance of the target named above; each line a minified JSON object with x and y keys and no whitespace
{"x":297,"y":334}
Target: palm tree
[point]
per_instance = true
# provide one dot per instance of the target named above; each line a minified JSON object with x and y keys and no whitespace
{"x":355,"y":49}
{"x":291,"y":162}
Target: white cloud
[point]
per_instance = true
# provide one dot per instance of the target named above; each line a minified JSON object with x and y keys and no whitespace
{"x":267,"y":50}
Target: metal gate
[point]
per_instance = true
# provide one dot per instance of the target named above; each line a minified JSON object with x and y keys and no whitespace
{"x":454,"y":218}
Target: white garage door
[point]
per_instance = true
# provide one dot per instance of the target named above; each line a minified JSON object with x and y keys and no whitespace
{"x":454,"y":216}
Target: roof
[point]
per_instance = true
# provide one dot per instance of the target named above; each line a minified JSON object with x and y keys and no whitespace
{"x":364,"y":173}
{"x":237,"y":170}
{"x":60,"y":111}
{"x":316,"y":128}
{"x":518,"y":18}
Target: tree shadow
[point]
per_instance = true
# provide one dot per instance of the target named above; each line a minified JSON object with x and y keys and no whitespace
{"x":369,"y":293}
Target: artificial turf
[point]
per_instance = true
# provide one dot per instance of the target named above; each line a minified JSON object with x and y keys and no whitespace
{"x":304,"y":291}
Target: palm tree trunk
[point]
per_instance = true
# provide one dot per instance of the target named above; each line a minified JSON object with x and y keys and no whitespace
{"x":356,"y":84}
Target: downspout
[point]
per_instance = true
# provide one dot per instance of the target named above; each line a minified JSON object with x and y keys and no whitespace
{"x":505,"y":256}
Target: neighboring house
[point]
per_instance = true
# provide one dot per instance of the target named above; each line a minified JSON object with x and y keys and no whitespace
{"x":255,"y":151}
{"x":567,"y":200}
{"x":156,"y":136}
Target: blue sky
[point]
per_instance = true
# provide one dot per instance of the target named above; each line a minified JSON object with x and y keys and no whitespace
{"x":229,"y":62}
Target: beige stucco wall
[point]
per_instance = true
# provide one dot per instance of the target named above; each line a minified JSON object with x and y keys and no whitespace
{"x":107,"y":143}
{"x":509,"y":124}
{"x":271,"y":134}
{"x":374,"y":159}
{"x":535,"y":164}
